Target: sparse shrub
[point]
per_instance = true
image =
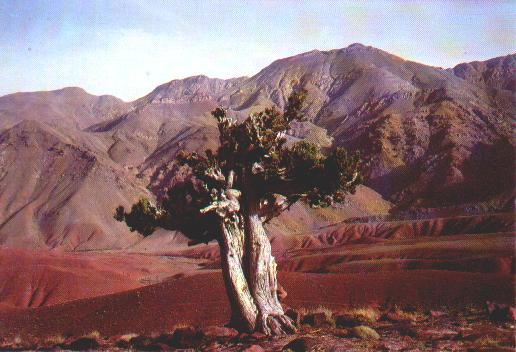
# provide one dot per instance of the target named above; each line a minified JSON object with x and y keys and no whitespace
{"x":320,"y":309}
{"x":124,"y":340}
{"x":357,"y":316}
{"x":84,"y":343}
{"x":368,"y":314}
{"x":127,"y":337}
{"x":19,"y":343}
{"x":187,"y":337}
{"x":412,"y":316}
{"x":318,"y":317}
{"x":55,"y":340}
{"x":365,"y":333}
{"x":501,"y":312}
{"x":93,"y":335}
{"x":488,"y":342}
{"x":180,"y":326}
{"x":143,"y":343}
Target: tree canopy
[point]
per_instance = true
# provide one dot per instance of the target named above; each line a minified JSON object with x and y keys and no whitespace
{"x":252,"y":163}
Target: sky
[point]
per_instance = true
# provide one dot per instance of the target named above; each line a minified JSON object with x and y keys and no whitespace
{"x":127,"y":48}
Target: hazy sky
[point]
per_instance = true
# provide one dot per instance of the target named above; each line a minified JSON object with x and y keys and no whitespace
{"x":126,"y":48}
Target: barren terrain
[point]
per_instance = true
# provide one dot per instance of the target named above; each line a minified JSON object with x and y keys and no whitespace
{"x":431,"y":230}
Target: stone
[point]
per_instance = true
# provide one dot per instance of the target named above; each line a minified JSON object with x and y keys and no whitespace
{"x":187,"y":337}
{"x":84,"y":343}
{"x":394,"y":345}
{"x":213,"y":347}
{"x":341,"y":332}
{"x":218,"y":332}
{"x":304,"y":344}
{"x":364,"y":332}
{"x":254,"y":348}
{"x":257,"y":335}
{"x":318,"y":320}
{"x":407,"y":329}
{"x":437,"y":334}
{"x":436,"y":313}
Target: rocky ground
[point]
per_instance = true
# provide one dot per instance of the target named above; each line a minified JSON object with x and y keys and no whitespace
{"x":366,"y":329}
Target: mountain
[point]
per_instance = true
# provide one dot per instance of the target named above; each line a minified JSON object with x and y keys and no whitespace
{"x":429,"y":138}
{"x":497,"y":73}
{"x":71,"y":106}
{"x":190,"y":90}
{"x":426,"y":133}
{"x":58,"y":190}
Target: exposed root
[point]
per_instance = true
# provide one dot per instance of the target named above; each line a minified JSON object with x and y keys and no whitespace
{"x":274,"y":325}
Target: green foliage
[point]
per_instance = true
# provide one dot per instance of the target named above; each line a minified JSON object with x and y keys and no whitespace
{"x":320,"y":180}
{"x":252,"y":160}
{"x":302,"y":160}
{"x":142,"y":218}
{"x":181,"y":211}
{"x":341,"y":172}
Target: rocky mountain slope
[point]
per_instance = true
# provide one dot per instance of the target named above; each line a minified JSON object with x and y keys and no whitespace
{"x":429,"y":138}
{"x":71,"y":106}
{"x":59,"y":191}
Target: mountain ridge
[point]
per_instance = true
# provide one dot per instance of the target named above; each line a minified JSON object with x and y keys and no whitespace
{"x":429,"y":138}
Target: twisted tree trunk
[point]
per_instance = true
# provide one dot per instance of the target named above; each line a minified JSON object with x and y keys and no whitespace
{"x":243,"y":307}
{"x":262,"y":275}
{"x":248,"y":267}
{"x":263,"y":282}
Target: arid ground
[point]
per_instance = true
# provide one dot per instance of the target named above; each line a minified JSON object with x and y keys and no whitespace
{"x":447,"y":265}
{"x":422,"y":246}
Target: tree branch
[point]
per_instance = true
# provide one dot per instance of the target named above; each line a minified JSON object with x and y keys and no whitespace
{"x":215,"y":173}
{"x":355,"y":176}
{"x":273,"y":206}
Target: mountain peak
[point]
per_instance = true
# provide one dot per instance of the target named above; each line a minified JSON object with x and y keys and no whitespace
{"x":71,"y":90}
{"x":200,"y":77}
{"x":358,"y":46}
{"x":190,"y":89}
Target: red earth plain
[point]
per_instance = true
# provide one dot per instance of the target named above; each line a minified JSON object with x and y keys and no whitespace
{"x":430,"y":264}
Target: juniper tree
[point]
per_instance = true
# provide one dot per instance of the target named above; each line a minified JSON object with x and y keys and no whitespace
{"x":229,"y":194}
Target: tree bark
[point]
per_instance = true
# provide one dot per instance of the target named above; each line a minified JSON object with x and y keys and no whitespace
{"x":243,"y":308}
{"x":262,"y":277}
{"x":248,"y":267}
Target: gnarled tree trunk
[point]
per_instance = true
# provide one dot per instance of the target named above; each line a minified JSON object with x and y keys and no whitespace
{"x":262,"y":276}
{"x":248,"y":267}
{"x":243,"y":307}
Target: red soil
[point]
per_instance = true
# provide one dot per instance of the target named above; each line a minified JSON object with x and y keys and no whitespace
{"x":375,"y":233}
{"x":37,"y":278}
{"x":448,"y":261}
{"x":478,"y":243}
{"x":485,"y":253}
{"x":201,"y":300}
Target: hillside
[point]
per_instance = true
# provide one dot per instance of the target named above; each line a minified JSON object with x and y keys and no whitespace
{"x":70,"y":106}
{"x":430,"y":138}
{"x":426,"y":132}
{"x":58,"y":190}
